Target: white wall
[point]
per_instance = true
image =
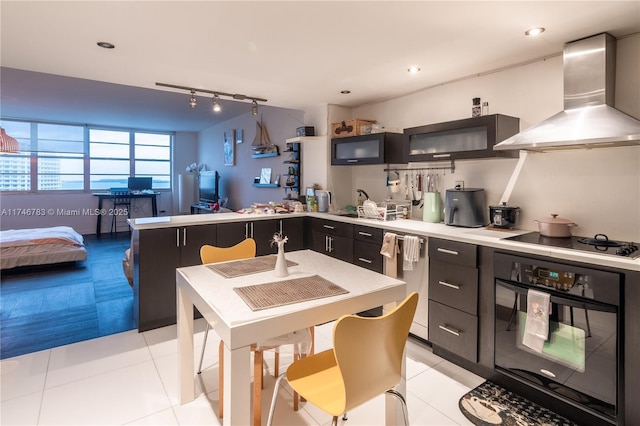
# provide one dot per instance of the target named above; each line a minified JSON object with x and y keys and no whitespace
{"x":598,"y":189}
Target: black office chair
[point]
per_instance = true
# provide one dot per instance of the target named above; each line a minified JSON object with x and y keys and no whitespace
{"x":121,"y":201}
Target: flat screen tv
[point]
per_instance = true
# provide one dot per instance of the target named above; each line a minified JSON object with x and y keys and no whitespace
{"x":139,"y":183}
{"x":208,"y":187}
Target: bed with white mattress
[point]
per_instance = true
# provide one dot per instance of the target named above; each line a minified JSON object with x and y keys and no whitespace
{"x":40,"y":246}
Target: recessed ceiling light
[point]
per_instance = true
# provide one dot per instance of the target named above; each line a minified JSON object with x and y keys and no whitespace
{"x":413,"y":69}
{"x":345,"y":92}
{"x":106,"y":45}
{"x":534,"y":31}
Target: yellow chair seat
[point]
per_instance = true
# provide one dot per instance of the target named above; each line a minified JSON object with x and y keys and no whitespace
{"x":319,"y":380}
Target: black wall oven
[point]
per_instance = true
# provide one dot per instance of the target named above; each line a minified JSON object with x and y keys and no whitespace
{"x":577,"y":358}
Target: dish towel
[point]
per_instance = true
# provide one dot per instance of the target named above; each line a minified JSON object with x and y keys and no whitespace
{"x":536,"y":329}
{"x":411,"y":250}
{"x":389,"y":250}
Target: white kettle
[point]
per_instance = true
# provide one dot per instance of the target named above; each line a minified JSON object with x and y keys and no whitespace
{"x":324,"y":200}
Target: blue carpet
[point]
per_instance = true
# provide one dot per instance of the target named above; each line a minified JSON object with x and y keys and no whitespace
{"x":45,"y":307}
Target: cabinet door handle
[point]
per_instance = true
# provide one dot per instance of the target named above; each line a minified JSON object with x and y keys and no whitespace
{"x":362,"y":259}
{"x":326,"y":243}
{"x":441,"y":155}
{"x":184,"y":237}
{"x":177,"y":237}
{"x":329,"y":226}
{"x":449,"y":330}
{"x":444,"y":283}
{"x":246,"y":230}
{"x":365,"y":234}
{"x":447,"y":251}
{"x":330,"y":244}
{"x":280,"y":226}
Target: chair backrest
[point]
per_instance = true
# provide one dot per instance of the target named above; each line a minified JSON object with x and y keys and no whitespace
{"x":243,"y":250}
{"x":369,"y":351}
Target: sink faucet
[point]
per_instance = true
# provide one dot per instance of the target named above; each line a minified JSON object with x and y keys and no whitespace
{"x":361,"y":194}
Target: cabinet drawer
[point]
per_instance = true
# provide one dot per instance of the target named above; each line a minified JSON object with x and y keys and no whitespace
{"x":453,"y":330}
{"x":454,"y":285}
{"x":368,"y":234}
{"x":367,"y":255}
{"x":453,"y":251}
{"x":333,"y":227}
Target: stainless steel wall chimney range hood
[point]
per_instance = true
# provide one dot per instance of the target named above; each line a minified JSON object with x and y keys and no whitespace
{"x":589,"y":119}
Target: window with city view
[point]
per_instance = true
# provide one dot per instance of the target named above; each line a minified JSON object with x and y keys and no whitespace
{"x":63,"y":157}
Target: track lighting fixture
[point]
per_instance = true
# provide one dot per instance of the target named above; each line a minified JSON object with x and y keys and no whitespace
{"x":193,"y":102}
{"x":216,"y":104}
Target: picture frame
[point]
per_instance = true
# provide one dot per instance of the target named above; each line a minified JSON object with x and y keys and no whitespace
{"x":229,"y":151}
{"x":265,"y":175}
{"x":239,"y":134}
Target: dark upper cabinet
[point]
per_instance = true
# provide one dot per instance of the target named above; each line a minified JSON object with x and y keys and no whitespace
{"x":376,"y":148}
{"x":460,"y":139}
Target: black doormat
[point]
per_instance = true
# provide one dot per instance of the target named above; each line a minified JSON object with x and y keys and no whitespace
{"x":490,"y":404}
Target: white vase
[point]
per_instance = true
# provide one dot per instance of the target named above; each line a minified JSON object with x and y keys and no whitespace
{"x":281,"y":263}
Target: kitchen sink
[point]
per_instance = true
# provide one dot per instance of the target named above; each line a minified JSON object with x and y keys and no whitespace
{"x":346,"y":214}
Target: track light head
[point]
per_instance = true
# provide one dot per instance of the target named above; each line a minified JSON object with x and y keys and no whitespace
{"x":254,"y":108}
{"x":193,"y":102}
{"x":216,"y":104}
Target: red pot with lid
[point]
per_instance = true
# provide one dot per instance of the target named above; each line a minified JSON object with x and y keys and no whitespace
{"x":555,"y":226}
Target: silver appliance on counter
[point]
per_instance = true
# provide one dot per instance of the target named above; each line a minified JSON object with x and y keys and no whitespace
{"x":465,"y":207}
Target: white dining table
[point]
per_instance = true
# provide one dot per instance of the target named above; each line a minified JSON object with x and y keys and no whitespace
{"x":238,"y":326}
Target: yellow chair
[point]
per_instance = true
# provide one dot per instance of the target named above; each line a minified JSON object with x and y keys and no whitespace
{"x":366,"y":361}
{"x":244,"y":250}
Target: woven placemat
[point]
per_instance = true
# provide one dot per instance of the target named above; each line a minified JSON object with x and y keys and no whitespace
{"x":270,"y":295}
{"x":247,"y":266}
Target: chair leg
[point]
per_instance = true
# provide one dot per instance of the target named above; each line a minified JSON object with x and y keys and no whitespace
{"x":257,"y":387}
{"x":296,"y":397}
{"x":204,"y":345}
{"x":334,"y":421}
{"x":272,"y":408}
{"x":220,"y":378}
{"x":403,"y":402}
{"x":276,"y":364}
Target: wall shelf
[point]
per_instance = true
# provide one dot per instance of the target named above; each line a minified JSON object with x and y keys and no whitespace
{"x":268,"y":154}
{"x":266,"y":185}
{"x":300,"y":139}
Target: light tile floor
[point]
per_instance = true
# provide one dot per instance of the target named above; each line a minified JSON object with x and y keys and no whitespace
{"x":131,"y":378}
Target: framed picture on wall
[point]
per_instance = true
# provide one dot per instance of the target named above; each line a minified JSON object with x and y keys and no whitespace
{"x":229,"y":148}
{"x":239,"y":136}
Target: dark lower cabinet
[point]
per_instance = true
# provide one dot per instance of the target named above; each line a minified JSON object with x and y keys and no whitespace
{"x":157,"y":253}
{"x":366,"y":247}
{"x":262,"y":232}
{"x":453,"y":297}
{"x":332,"y":238}
{"x":453,"y":330}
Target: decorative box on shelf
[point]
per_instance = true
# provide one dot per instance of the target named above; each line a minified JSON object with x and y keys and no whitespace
{"x":386,"y":210}
{"x":349,"y":128}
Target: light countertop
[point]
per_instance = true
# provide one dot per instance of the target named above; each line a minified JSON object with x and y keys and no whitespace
{"x":480,"y":236}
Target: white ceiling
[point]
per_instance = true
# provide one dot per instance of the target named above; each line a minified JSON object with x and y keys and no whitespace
{"x":293,"y":53}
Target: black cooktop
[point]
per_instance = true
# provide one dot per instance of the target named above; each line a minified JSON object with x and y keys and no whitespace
{"x":608,"y":247}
